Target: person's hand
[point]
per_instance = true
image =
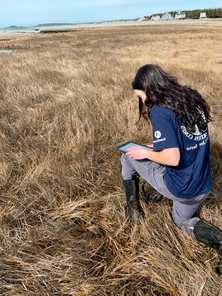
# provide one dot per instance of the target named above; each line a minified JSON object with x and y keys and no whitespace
{"x":137,"y":152}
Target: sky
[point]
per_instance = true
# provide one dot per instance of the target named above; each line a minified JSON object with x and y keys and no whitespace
{"x":35,"y":12}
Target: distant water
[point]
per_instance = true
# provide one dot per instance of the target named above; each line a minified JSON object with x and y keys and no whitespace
{"x":8,"y":50}
{"x":60,"y":27}
{"x":21,"y":31}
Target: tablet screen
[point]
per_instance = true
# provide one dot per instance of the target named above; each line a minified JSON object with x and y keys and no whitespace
{"x":129,"y":144}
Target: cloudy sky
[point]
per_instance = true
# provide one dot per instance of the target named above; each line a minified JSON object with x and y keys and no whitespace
{"x":34,"y":12}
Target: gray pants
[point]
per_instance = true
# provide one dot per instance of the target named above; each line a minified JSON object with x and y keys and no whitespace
{"x":183,"y":209}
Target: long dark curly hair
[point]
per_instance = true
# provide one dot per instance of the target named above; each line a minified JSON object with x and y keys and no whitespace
{"x":162,"y":89}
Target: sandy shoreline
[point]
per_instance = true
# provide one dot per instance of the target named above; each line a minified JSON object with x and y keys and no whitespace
{"x":34,"y":30}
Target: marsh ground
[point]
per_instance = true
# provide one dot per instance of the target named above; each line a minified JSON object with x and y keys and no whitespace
{"x":65,"y":103}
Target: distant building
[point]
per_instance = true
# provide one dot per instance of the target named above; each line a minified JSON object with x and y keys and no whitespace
{"x":155,"y":18}
{"x":203,"y":14}
{"x":166,"y":16}
{"x":141,"y":19}
{"x":180,"y":15}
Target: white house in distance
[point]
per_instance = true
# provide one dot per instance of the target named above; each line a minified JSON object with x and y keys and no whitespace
{"x":166,"y":16}
{"x":180,"y":14}
{"x":155,"y":18}
{"x":203,"y":14}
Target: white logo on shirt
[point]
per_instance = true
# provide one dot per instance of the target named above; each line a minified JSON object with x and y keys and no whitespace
{"x":196,"y":136}
{"x":157,"y":134}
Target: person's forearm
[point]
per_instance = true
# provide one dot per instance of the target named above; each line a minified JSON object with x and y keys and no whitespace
{"x":169,"y":156}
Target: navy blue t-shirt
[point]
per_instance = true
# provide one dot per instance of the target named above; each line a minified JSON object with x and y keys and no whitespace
{"x":192,"y":176}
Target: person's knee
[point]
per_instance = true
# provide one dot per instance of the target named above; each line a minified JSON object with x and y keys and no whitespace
{"x":123,"y":159}
{"x":122,"y":156}
{"x":127,"y":168}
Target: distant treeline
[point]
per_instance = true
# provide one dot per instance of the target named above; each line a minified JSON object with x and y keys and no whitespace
{"x":194,"y":14}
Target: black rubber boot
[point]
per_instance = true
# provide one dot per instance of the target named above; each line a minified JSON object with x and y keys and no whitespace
{"x":133,"y":208}
{"x":210,"y":236}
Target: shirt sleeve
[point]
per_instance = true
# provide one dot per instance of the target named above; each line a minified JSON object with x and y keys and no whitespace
{"x":164,"y":130}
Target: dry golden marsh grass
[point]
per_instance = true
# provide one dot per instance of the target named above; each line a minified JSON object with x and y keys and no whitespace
{"x":66,"y":102}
